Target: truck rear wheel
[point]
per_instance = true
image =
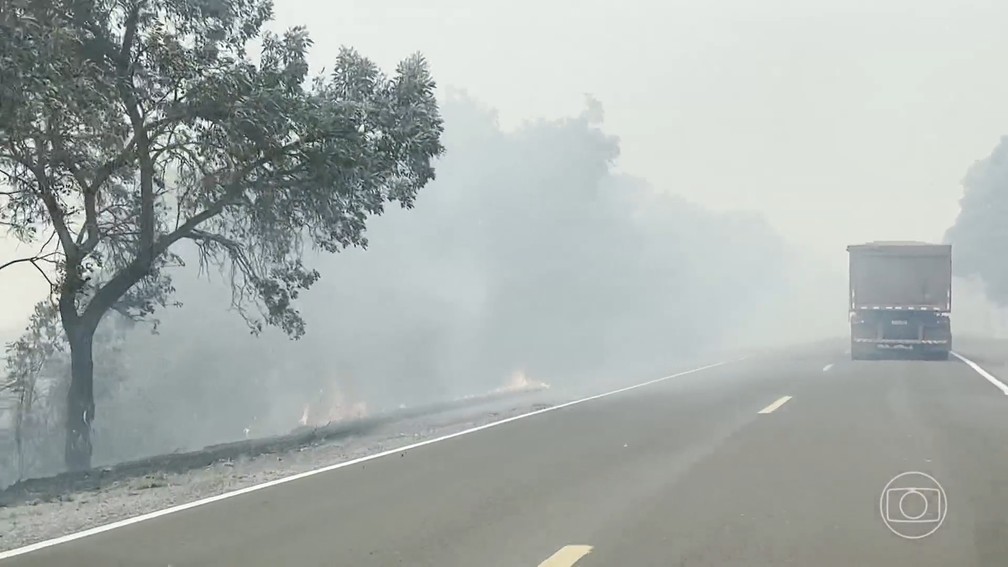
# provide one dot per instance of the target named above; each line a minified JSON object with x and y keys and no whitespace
{"x":938,"y":355}
{"x":858,"y":352}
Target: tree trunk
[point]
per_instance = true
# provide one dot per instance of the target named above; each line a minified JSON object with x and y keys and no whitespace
{"x":80,"y":400}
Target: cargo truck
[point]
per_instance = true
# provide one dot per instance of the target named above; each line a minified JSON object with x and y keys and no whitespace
{"x":900,"y":300}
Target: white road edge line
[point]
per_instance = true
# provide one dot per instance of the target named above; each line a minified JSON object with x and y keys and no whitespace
{"x":204,"y":501}
{"x":987,"y":375}
{"x":770,"y":408}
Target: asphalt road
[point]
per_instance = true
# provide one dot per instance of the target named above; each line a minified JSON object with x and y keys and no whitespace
{"x":774,"y":460}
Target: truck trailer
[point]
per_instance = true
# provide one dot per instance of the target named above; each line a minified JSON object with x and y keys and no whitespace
{"x":900,"y":300}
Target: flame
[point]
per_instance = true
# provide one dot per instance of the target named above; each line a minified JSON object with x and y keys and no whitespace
{"x":332,"y":410}
{"x":520,"y":382}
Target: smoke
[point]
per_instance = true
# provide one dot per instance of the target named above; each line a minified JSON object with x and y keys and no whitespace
{"x":974,"y":314}
{"x":980,"y":289}
{"x":979,"y":233}
{"x":528,"y":257}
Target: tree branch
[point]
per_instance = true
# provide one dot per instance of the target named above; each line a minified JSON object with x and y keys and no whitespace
{"x":90,"y":222}
{"x":234,"y":190}
{"x":233,"y":247}
{"x":90,"y":189}
{"x":16,"y":261}
{"x":108,"y":294}
{"x":56,"y":214}
{"x":121,"y":59}
{"x":187,"y":227}
{"x":129,"y":35}
{"x":108,"y":168}
{"x":47,"y":242}
{"x":34,"y":260}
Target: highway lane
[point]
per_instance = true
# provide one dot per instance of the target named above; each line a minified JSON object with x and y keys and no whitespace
{"x":682,"y":472}
{"x":802,"y":487}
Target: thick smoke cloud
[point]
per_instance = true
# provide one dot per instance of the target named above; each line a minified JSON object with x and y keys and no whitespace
{"x":978,"y":238}
{"x":979,"y":235}
{"x":527,"y":254}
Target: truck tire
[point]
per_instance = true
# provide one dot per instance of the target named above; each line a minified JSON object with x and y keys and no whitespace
{"x":857,"y":352}
{"x":939,"y":355}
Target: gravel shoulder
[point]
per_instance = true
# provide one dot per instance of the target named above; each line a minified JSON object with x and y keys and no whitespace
{"x":69,"y":512}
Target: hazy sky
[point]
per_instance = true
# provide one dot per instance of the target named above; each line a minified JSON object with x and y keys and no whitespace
{"x":840,"y":120}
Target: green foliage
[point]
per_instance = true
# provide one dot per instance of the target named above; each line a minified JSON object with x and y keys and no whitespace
{"x":127,"y":126}
{"x":41,"y":341}
{"x":37,"y":368}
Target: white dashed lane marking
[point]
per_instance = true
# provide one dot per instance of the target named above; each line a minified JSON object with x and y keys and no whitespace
{"x":567,"y":556}
{"x":772,"y":407}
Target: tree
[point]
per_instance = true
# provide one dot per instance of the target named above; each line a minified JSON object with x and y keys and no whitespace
{"x":127,"y":126}
{"x":979,"y":233}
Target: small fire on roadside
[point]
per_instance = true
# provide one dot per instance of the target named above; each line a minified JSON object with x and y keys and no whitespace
{"x":331,"y":409}
{"x":520,"y":382}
